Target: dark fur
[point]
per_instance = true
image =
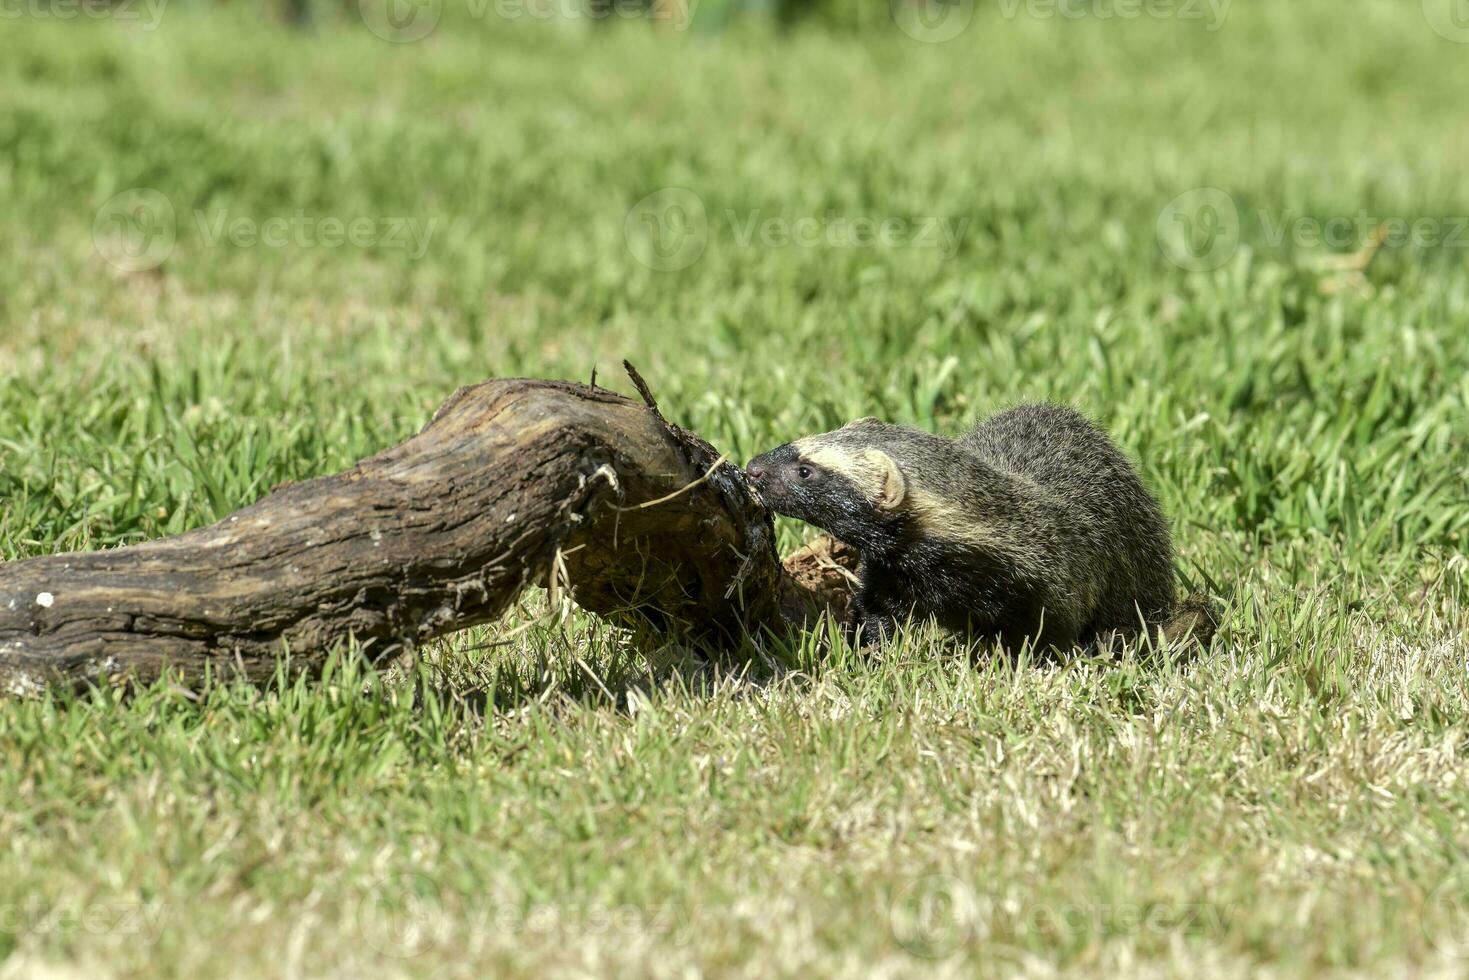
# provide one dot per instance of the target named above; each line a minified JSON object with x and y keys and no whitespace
{"x":1072,"y":543}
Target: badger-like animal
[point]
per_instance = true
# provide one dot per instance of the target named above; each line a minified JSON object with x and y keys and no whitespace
{"x":1033,"y":526}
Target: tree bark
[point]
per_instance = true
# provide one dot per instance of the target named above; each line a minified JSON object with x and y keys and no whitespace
{"x":513,"y":483}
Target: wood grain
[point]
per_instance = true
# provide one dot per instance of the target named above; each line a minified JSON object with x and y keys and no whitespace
{"x":514,"y":482}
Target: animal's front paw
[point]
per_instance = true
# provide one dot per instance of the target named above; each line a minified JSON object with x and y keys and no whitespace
{"x":868,"y":631}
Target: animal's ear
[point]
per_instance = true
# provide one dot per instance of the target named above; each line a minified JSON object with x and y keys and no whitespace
{"x":865,"y":420}
{"x":891,"y":487}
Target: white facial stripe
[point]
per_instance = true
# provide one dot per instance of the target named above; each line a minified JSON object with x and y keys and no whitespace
{"x":939,"y":518}
{"x":843,"y":462}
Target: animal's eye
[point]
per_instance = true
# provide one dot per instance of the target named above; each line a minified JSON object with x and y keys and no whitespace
{"x":804,"y":472}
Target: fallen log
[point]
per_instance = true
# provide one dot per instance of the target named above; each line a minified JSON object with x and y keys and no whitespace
{"x":513,"y":483}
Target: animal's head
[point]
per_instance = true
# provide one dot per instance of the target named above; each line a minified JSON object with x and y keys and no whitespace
{"x":847,"y":482}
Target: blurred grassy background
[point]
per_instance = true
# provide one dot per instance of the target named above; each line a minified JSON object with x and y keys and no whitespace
{"x":1305,"y":428}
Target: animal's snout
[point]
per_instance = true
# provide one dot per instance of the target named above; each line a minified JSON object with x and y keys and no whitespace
{"x":756,"y":469}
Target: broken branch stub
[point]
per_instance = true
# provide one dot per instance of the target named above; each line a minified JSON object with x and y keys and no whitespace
{"x":514,"y":482}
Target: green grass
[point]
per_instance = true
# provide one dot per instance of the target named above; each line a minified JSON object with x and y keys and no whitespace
{"x":1292,"y":801}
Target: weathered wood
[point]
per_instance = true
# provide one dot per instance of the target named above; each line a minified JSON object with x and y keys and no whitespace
{"x":514,"y":482}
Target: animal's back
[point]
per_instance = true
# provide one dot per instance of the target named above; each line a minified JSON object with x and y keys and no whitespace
{"x":1122,"y":543}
